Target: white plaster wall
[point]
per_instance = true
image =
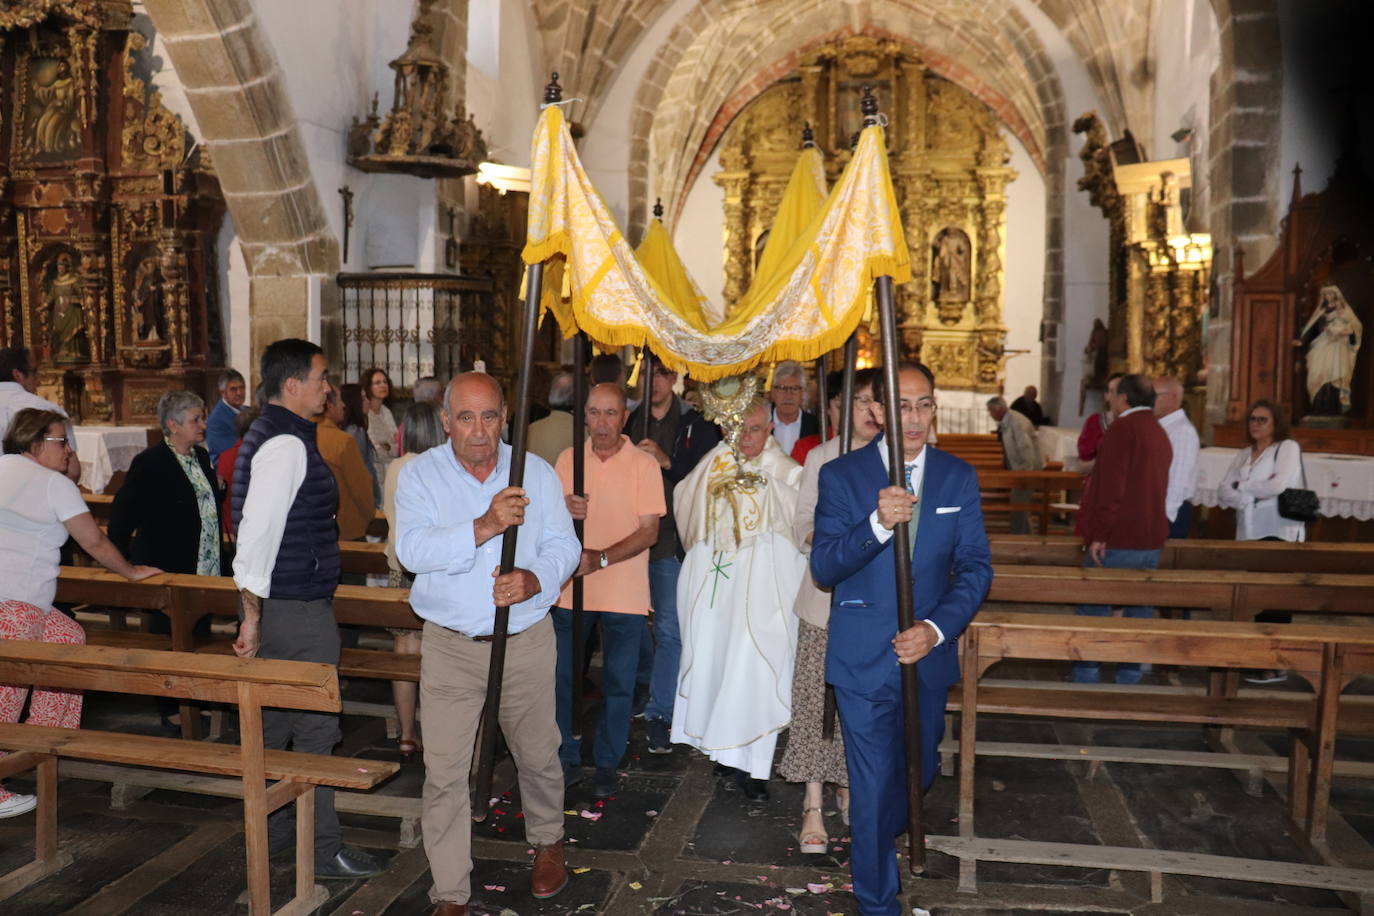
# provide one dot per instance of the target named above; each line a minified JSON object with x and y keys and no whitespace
{"x":1188,"y":51}
{"x":700,"y":232}
{"x":506,"y":105}
{"x":606,"y":148}
{"x":1024,"y":260}
{"x":1085,"y":229}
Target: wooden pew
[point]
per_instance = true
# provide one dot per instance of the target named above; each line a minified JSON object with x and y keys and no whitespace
{"x":1050,"y":493}
{"x":982,"y":450}
{"x":1329,"y":656}
{"x":250,"y":683}
{"x":1228,"y":594}
{"x":1258,"y":556}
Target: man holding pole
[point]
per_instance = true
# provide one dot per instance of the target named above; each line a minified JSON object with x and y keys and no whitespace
{"x":856,"y":513}
{"x":452,"y":507}
{"x":621,"y":505}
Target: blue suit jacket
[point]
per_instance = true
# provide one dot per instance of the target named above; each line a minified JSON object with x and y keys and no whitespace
{"x":951,"y":569}
{"x":221,"y":430}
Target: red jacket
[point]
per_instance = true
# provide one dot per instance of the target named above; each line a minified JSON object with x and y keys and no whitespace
{"x":1125,"y":504}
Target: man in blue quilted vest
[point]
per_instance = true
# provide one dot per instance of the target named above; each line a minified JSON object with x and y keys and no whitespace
{"x":287,"y":567}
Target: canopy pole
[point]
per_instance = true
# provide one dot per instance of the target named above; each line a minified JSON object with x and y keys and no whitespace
{"x":846,"y":434}
{"x":901,"y":547}
{"x":579,"y":472}
{"x":646,"y":391}
{"x":822,"y":401}
{"x":534,"y":286}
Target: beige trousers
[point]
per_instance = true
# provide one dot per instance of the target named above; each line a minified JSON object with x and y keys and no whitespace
{"x":453,"y":687}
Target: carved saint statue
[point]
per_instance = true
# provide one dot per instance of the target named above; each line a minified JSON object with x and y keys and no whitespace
{"x":1331,"y":341}
{"x":62,"y":299}
{"x":148,"y":307}
{"x":1095,"y":355}
{"x":951,"y":268}
{"x":54,"y":127}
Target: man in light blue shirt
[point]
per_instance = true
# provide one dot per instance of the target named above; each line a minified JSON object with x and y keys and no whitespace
{"x":453,"y":503}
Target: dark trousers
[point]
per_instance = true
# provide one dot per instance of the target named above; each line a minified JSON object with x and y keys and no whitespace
{"x":303,"y":631}
{"x":621,"y":637}
{"x":876,"y":760}
{"x":1178,"y":528}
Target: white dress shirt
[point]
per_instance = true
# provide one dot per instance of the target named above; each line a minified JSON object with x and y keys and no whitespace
{"x":787,"y":434}
{"x":278,"y":471}
{"x":916,"y":470}
{"x":1183,"y":468}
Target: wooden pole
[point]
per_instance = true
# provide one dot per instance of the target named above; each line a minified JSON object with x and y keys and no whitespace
{"x":646,"y":390}
{"x":579,"y":469}
{"x":822,"y":401}
{"x":534,"y":287}
{"x":901,"y":547}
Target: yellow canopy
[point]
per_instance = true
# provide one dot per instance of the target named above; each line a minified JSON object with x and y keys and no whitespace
{"x":806,"y":306}
{"x":660,"y":261}
{"x":801,"y":201}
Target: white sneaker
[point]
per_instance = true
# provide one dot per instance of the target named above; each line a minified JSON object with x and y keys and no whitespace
{"x":16,"y":805}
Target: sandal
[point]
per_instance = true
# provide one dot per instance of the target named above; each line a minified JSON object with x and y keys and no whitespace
{"x":813,"y":847}
{"x":409,"y":748}
{"x":843,"y":808}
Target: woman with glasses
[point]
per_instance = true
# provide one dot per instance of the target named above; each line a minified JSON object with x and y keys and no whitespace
{"x":39,"y":508}
{"x":1271,"y":464}
{"x":168,"y":512}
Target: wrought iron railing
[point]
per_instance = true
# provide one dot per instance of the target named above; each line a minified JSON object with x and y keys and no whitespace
{"x":414,"y":325}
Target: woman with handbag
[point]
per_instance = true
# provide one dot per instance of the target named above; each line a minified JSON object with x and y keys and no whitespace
{"x":1254,"y":485}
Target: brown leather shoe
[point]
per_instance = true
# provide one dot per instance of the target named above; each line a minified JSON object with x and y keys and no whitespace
{"x":548,"y":875}
{"x":449,"y":909}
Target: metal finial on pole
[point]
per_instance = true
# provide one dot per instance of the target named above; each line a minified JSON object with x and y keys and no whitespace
{"x":868,"y":106}
{"x":808,"y":136}
{"x":658,"y":208}
{"x":552,"y":91}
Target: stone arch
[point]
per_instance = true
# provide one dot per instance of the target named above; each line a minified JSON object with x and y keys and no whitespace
{"x":236,"y":91}
{"x":1027,"y":89}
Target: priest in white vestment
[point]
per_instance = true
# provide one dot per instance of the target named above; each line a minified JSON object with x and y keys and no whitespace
{"x":735,"y":596}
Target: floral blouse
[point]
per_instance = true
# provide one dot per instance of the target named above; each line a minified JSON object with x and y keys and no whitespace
{"x":207,"y":556}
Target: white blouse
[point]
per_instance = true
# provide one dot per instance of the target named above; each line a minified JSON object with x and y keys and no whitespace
{"x":1253,"y":488}
{"x":381,"y":431}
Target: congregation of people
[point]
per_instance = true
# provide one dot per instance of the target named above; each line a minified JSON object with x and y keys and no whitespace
{"x":726,"y":585}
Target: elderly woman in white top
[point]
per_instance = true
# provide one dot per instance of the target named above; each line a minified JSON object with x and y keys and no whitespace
{"x":39,"y":508}
{"x":1271,"y":464}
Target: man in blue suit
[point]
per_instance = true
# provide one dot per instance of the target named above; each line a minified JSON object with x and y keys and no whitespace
{"x":951,"y":569}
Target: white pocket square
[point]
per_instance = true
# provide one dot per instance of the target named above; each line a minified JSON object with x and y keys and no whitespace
{"x":945,"y":510}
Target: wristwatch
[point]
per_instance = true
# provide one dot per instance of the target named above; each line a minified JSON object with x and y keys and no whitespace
{"x":605,"y":560}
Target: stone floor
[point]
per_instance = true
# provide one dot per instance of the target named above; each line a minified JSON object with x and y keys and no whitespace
{"x":677,"y":840}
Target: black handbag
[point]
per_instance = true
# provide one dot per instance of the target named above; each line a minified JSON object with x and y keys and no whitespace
{"x":1299,"y":504}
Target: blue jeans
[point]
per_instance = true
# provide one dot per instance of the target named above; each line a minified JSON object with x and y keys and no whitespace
{"x":620,"y":639}
{"x":667,"y":640}
{"x":1126,"y":672}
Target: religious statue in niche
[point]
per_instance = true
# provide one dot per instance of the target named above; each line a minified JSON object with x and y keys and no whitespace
{"x":149,"y":312}
{"x":52,"y":123}
{"x":1330,"y":342}
{"x":62,"y":301}
{"x":950,"y":271}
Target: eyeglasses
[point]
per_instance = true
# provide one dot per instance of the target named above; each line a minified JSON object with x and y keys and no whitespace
{"x":925,"y":408}
{"x":62,"y":439}
{"x":789,"y":389}
{"x":864,"y":401}
{"x":1259,"y":419}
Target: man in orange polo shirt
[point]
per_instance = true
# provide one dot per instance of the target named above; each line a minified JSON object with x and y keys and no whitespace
{"x":622,"y":504}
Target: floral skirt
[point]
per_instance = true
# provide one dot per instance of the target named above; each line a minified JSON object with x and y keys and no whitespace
{"x":808,"y":757}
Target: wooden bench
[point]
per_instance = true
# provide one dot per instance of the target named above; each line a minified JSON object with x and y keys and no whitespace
{"x":100,"y":505}
{"x":249,"y":683}
{"x":185,"y":598}
{"x":1050,"y":493}
{"x":1329,"y":656}
{"x":982,"y":450}
{"x":1257,"y":556}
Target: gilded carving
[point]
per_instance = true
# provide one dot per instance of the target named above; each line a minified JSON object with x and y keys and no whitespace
{"x":948,"y":161}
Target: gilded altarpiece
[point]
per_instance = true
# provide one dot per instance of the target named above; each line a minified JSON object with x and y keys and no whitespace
{"x":949,"y":170}
{"x":108,"y":216}
{"x":1158,"y":273}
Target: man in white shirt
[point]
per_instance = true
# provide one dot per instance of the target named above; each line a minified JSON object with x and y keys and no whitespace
{"x":790,"y":421}
{"x":287,"y":567}
{"x":1183,"y":469}
{"x":18,"y":384}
